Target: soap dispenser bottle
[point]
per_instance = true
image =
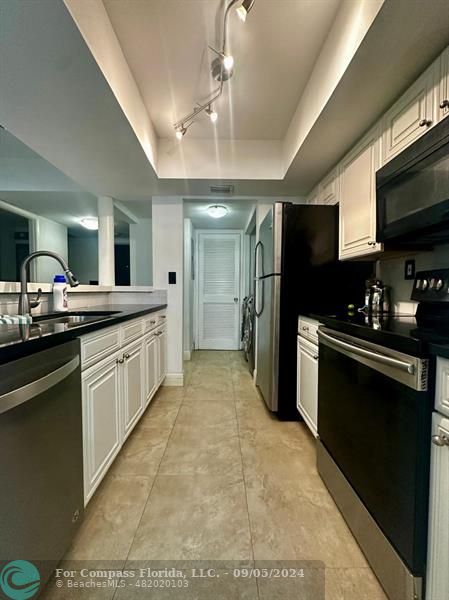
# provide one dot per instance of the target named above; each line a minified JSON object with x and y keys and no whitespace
{"x":60,"y":298}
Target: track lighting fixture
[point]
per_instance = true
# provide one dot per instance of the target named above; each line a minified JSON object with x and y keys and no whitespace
{"x":222,"y":69}
{"x":213,"y":116}
{"x":244,"y":9}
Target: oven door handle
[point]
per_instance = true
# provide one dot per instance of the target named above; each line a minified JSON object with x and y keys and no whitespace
{"x":376,"y":356}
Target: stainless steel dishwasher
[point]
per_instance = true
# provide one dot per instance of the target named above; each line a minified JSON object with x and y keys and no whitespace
{"x":41,"y":457}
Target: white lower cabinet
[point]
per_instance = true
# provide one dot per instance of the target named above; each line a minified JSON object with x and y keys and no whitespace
{"x":101,"y":421}
{"x":161,"y":355}
{"x":151,"y":367}
{"x":133,"y":382}
{"x":116,"y":391}
{"x":307,"y":382}
{"x":437,"y":587}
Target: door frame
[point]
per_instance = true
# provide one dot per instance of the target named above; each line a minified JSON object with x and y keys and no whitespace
{"x":196,"y":287}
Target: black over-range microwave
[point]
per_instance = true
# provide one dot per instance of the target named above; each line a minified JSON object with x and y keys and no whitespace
{"x":412,"y":193}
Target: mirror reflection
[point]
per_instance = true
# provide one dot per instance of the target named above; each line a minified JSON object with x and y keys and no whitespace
{"x":43,"y":209}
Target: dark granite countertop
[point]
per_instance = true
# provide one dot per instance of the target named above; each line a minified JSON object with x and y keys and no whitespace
{"x":17,"y":341}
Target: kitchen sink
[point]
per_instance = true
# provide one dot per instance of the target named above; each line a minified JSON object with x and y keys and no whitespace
{"x":75,"y":318}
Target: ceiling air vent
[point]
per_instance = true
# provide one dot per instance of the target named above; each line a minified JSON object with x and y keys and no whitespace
{"x":222,"y":189}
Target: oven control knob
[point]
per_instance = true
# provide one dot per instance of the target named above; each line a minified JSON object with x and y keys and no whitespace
{"x":438,"y":284}
{"x":424,"y":285}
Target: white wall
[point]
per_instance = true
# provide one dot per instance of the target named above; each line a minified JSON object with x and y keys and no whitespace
{"x":168,"y":255}
{"x":141,"y":252}
{"x":189,"y":284}
{"x":83,"y":258}
{"x":49,"y":236}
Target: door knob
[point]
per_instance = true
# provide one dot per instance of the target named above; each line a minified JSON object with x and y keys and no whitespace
{"x":425,"y":123}
{"x":444,"y":104}
{"x":126,"y":356}
{"x":440,"y":440}
{"x":120,"y":361}
{"x":236,"y":299}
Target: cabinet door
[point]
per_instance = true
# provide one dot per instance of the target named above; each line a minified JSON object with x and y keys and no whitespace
{"x":438,"y":548}
{"x":358,"y":198}
{"x":312,"y":198}
{"x":151,"y":367}
{"x":329,"y":188}
{"x":411,"y":116}
{"x":101,"y":422}
{"x":443,"y":94}
{"x":307,"y":399}
{"x":162,"y":355}
{"x":133,"y":385}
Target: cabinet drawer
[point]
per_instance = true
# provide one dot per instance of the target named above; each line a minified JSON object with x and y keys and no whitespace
{"x":153,"y":321}
{"x":442,"y":386}
{"x":308,"y":328}
{"x":99,"y":345}
{"x":131,"y":331}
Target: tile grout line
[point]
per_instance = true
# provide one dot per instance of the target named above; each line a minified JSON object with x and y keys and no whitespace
{"x":150,"y":491}
{"x":244,"y":479}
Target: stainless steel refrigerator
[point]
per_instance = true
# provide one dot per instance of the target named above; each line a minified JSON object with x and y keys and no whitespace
{"x":297,"y":272}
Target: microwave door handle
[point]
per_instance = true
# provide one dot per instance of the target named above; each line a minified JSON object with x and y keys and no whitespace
{"x":375,"y":356}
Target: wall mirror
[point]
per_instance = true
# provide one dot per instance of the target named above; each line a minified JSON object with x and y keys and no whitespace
{"x":43,"y":209}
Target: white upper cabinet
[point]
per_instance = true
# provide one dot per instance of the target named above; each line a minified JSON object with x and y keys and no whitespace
{"x":357,"y":195}
{"x":443,"y":89}
{"x":328,"y":188}
{"x":411,"y":116}
{"x":312,"y":198}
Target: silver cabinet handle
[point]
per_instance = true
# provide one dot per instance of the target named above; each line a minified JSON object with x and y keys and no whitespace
{"x":304,"y":328}
{"x":376,"y":356}
{"x":120,"y":361}
{"x":163,"y":317}
{"x":440,"y":440}
{"x":444,"y":104}
{"x":26,"y":392}
{"x":371,"y":243}
{"x":425,"y":123}
{"x":126,"y":356}
{"x":152,"y":322}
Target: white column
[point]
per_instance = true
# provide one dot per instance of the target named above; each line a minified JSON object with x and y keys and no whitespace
{"x":106,"y":258}
{"x":168,"y":236}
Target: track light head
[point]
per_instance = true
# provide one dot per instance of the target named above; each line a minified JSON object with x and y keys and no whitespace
{"x":244,"y":9}
{"x":219,"y":71}
{"x":180,"y":132}
{"x":213,"y":115}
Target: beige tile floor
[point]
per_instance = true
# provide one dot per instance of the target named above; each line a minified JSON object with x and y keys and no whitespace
{"x":210,"y":475}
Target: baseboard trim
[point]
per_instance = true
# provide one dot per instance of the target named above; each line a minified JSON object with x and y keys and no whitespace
{"x":173,"y":380}
{"x":187,"y":354}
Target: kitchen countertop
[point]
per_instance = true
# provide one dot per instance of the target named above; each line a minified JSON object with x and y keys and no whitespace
{"x":17,"y":341}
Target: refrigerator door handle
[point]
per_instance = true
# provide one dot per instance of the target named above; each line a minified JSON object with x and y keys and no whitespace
{"x":258,"y":279}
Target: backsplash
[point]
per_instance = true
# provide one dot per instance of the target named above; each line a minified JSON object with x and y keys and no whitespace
{"x":77,"y":300}
{"x":392,"y":271}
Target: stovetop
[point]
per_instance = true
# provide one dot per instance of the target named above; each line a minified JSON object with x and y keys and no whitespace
{"x":417,"y":335}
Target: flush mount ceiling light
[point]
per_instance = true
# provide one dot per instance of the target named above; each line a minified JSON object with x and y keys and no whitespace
{"x":244,"y":9}
{"x":217,"y":211}
{"x":222,"y":69}
{"x":90,"y":223}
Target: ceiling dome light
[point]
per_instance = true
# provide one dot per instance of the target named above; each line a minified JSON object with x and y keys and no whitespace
{"x":90,"y":223}
{"x":244,"y":9}
{"x":213,"y":115}
{"x":217,"y":211}
{"x":180,"y":132}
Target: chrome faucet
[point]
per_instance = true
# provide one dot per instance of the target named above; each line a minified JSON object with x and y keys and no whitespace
{"x":24,"y":302}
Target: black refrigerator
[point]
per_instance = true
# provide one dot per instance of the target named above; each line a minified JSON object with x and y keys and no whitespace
{"x":298,"y":272}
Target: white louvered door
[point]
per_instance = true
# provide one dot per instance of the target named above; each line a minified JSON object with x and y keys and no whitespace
{"x":219,"y":291}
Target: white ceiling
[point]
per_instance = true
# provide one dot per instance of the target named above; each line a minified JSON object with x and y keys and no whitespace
{"x":166,"y":46}
{"x":239,"y":212}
